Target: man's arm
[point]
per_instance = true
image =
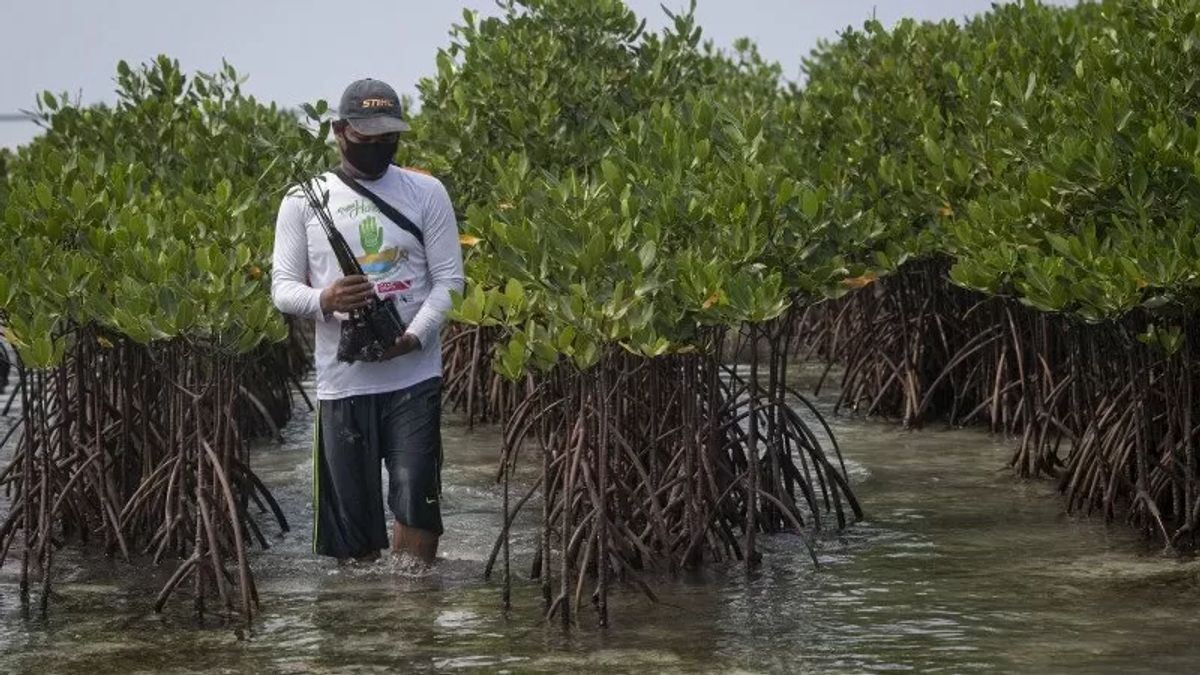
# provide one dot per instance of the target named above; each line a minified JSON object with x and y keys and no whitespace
{"x":289,"y":263}
{"x":443,"y":255}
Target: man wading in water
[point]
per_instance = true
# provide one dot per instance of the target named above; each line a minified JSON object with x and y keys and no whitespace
{"x":387,"y":410}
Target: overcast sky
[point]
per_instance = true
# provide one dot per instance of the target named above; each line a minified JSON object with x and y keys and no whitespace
{"x":302,"y":50}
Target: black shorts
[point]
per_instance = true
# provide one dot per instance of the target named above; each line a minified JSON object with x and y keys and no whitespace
{"x":401,"y":428}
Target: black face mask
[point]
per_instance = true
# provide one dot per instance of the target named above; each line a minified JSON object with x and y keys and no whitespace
{"x":371,"y":159}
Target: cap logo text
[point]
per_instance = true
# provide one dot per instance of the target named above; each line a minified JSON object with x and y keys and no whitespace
{"x":376,"y":103}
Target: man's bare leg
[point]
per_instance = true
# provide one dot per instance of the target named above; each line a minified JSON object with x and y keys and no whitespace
{"x":410,"y":541}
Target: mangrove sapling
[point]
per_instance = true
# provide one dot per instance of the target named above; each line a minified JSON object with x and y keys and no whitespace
{"x":146,"y":351}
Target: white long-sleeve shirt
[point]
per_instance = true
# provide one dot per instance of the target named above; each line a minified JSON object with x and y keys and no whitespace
{"x":417,"y":278}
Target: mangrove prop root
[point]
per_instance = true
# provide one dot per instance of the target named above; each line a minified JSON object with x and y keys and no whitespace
{"x":656,"y":465}
{"x":143,"y":450}
{"x":471,"y":385}
{"x":1111,"y":418}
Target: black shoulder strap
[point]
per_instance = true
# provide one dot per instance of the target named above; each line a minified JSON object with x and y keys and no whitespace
{"x":392,"y":213}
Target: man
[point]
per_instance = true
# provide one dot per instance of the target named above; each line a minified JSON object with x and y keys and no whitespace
{"x":388,"y":410}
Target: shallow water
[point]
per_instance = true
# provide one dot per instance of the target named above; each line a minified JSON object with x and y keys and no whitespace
{"x":958,"y":568}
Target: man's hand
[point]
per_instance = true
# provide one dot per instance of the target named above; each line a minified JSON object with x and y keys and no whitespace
{"x":347,"y":294}
{"x":404,"y":344}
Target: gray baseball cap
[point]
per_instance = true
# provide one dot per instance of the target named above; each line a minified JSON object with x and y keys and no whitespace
{"x":372,"y":108}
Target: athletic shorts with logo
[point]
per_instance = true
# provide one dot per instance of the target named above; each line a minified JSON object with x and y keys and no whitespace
{"x":403,"y":430}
